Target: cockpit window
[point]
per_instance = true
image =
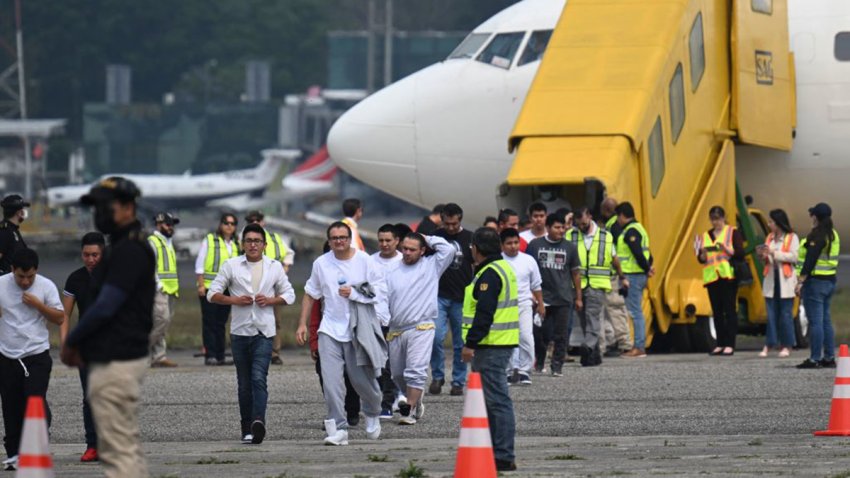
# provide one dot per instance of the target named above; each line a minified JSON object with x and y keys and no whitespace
{"x":470,"y":45}
{"x":501,"y":49}
{"x":535,"y":47}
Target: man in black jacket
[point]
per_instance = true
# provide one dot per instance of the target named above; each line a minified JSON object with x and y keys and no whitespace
{"x":111,"y":338}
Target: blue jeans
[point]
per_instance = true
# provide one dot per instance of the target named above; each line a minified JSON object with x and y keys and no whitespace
{"x":88,"y":418}
{"x":251,"y":356}
{"x":491,"y":364}
{"x":780,"y":324}
{"x":817,"y":295}
{"x":449,"y":314}
{"x":634,"y":304}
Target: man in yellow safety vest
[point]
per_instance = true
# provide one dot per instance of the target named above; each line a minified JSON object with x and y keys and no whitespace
{"x":167,"y":286}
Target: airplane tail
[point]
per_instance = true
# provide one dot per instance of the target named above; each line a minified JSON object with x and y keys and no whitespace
{"x":272,"y":161}
{"x":318,"y":167}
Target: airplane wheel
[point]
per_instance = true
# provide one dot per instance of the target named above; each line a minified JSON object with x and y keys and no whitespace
{"x":701,"y":337}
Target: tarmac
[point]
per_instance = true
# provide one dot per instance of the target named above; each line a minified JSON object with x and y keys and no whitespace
{"x":675,"y":415}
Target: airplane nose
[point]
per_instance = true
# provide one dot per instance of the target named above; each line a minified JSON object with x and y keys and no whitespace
{"x":375,"y":140}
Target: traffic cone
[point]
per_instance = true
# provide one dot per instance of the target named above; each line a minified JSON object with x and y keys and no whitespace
{"x":839,"y":416}
{"x":34,"y":460}
{"x":475,"y":450}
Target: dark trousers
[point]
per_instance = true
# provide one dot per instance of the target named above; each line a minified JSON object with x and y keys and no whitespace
{"x":88,"y":419}
{"x":491,"y":364}
{"x":385,"y":381}
{"x":554,"y":329}
{"x":251,"y":356}
{"x":19,"y":380}
{"x":213,"y":320}
{"x":352,"y":399}
{"x":723,"y":295}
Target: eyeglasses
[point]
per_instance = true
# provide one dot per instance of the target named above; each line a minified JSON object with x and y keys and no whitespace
{"x":339,"y":238}
{"x":253,"y":241}
{"x":228,"y":223}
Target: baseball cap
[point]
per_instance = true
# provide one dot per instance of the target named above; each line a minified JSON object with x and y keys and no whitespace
{"x":13,"y":202}
{"x":167,"y":218}
{"x":821,"y":210}
{"x":114,"y":187}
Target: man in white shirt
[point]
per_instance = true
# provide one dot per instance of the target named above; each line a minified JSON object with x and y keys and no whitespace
{"x":256,"y":283}
{"x":537,"y":214}
{"x":530,"y":293}
{"x":336,"y":278}
{"x":27,"y":302}
{"x":412,"y":298}
{"x":387,"y":258}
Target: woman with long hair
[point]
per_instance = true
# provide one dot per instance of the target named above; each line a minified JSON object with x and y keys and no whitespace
{"x":718,"y":247}
{"x":817,"y":284}
{"x":779,"y":254}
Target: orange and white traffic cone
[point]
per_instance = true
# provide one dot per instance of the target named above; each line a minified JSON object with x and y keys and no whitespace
{"x":34,"y":460}
{"x":839,"y":416}
{"x":475,"y":451}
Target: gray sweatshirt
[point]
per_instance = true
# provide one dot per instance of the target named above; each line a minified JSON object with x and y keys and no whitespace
{"x":412,"y":289}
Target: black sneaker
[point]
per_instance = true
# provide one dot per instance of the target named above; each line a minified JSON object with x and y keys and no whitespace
{"x":809,"y":363}
{"x":276,"y":360}
{"x":612,"y":353}
{"x":828,"y":363}
{"x":404,"y":409}
{"x":258,"y":432}
{"x":503,"y":465}
{"x":456,"y":390}
{"x":436,"y":386}
{"x":353,"y":420}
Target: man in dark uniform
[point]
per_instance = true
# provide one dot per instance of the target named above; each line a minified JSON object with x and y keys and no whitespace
{"x":14,"y":213}
{"x":111,"y":337}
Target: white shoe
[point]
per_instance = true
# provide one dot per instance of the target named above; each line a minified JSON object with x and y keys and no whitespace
{"x":339,"y":438}
{"x":785,"y":352}
{"x":408,"y":420}
{"x":420,"y":410}
{"x":247,"y":438}
{"x":10,"y":464}
{"x":373,"y":427}
{"x":763,"y":352}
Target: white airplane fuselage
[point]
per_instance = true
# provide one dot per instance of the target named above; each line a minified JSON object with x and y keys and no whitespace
{"x":441,"y":134}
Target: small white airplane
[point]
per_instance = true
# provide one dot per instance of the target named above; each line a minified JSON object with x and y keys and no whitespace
{"x":176,"y":191}
{"x":441,"y":134}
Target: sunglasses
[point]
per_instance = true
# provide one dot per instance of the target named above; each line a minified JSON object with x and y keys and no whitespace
{"x":228,"y":223}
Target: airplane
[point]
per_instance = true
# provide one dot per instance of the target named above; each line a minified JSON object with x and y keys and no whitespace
{"x":177,"y":191}
{"x":441,"y":134}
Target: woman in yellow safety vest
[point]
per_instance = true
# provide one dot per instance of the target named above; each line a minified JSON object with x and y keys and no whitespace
{"x":779,"y":254}
{"x":817,"y":284}
{"x":717,"y":248}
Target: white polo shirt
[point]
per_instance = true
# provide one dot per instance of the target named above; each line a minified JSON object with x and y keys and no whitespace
{"x":23,"y":330}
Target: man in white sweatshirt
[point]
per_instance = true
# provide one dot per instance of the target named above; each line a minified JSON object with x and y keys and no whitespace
{"x":412,"y":299}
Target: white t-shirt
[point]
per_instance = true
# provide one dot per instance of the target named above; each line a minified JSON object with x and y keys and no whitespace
{"x":528,"y":235}
{"x":23,"y":330}
{"x":385,"y":266}
{"x":324,"y":283}
{"x":527,"y":276}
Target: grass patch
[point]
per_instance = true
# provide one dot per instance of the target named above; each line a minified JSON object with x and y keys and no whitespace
{"x":215,"y":461}
{"x":843,"y":474}
{"x":378,"y":458}
{"x":565,"y":457}
{"x":412,"y":471}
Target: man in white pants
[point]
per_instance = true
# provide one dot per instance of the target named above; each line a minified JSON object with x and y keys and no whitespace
{"x":335,"y":278}
{"x":530,"y":297}
{"x":412,"y":294}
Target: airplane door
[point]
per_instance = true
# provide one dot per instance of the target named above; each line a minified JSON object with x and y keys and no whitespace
{"x":762,"y":85}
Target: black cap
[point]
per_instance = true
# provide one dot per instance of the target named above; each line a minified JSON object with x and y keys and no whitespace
{"x":254,"y":216}
{"x":167,"y":218}
{"x":821,"y":210}
{"x":111,"y":188}
{"x":13,"y":202}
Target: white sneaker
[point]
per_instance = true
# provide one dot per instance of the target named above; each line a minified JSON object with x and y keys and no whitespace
{"x":10,"y":464}
{"x":373,"y":427}
{"x":339,"y":438}
{"x":247,"y":438}
{"x":408,"y":420}
{"x":420,"y":410}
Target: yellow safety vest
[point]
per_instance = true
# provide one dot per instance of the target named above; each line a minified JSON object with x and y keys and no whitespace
{"x":216,"y":255}
{"x":717,"y":265}
{"x":610,"y":222}
{"x":801,"y":257}
{"x":166,"y":264}
{"x":505,"y":327}
{"x":628,"y":263}
{"x":827,"y":264}
{"x":596,"y":263}
{"x":275,"y":248}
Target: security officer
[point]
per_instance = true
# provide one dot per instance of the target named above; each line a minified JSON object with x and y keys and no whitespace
{"x":636,"y":263}
{"x":275,"y":249}
{"x":490,"y":333}
{"x":111,"y":337}
{"x":167,"y":285}
{"x":598,"y":258}
{"x":14,"y":213}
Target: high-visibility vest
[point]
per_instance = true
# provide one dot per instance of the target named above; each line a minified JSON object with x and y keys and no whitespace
{"x":505,"y":327}
{"x":801,"y":257}
{"x":610,"y":222}
{"x":275,"y":248}
{"x":717,"y":265}
{"x":827,"y":264}
{"x":356,"y":240}
{"x":786,"y":246}
{"x":596,"y":263}
{"x":166,"y":264}
{"x":628,"y":263}
{"x":217,"y":253}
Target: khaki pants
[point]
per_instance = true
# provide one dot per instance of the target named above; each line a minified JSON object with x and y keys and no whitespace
{"x":163,"y":312}
{"x":616,"y":325}
{"x":114,"y":391}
